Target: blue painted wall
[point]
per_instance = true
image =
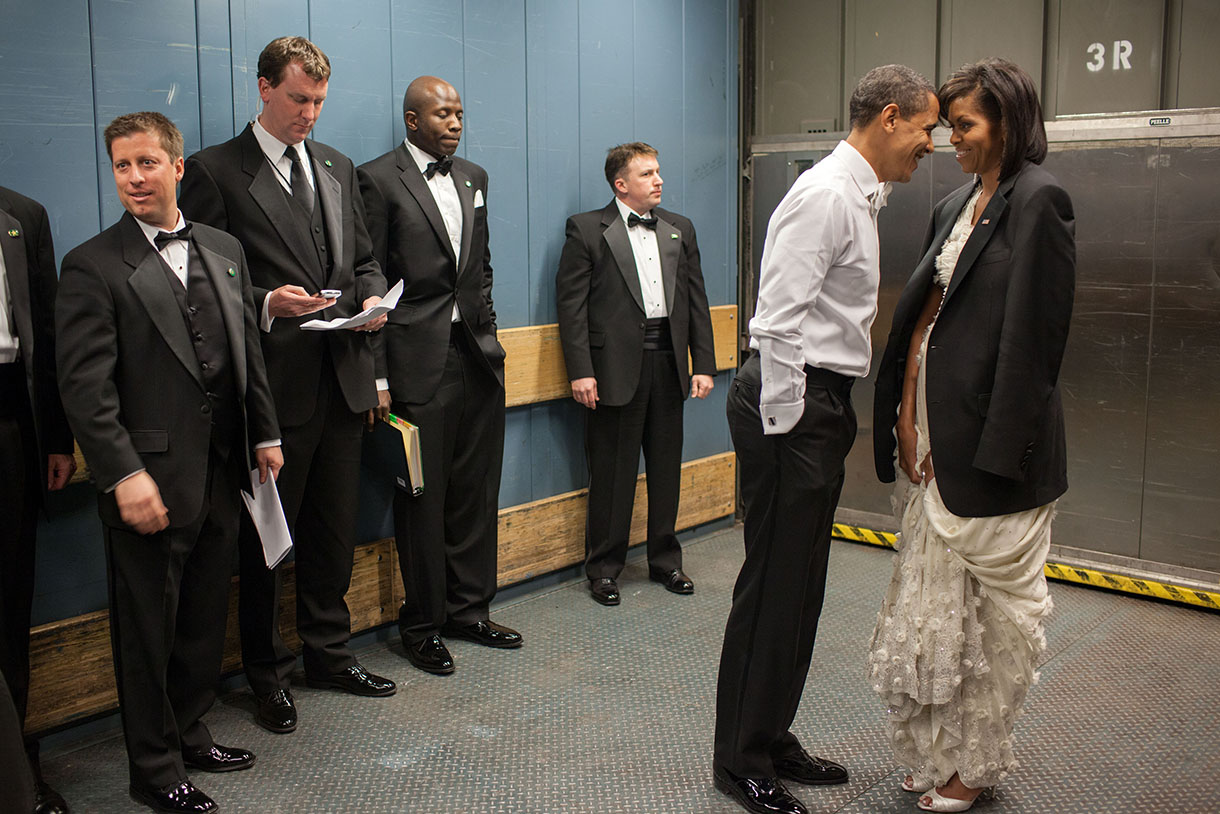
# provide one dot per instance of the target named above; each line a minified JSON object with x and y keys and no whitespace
{"x":547,"y":86}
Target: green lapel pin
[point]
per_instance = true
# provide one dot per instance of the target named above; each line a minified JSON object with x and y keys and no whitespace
{"x":232,"y":271}
{"x":467,"y":183}
{"x":327,"y":163}
{"x":673,"y":235}
{"x":13,"y":233}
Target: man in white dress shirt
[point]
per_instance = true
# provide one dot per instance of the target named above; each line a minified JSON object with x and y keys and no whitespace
{"x":631,"y":302}
{"x":792,"y":423}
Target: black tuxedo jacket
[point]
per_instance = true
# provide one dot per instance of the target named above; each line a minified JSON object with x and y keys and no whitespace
{"x":231,"y":186}
{"x":994,"y":410}
{"x":29,"y":262}
{"x":130,"y":379}
{"x":601,"y":309}
{"x":412,"y":245}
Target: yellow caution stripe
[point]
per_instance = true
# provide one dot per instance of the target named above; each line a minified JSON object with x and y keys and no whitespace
{"x":1069,"y":573}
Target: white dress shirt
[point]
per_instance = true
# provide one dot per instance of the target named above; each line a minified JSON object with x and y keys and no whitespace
{"x":273,"y":148}
{"x":647,"y":263}
{"x":10,"y":347}
{"x":444,"y":192}
{"x":817,"y":287}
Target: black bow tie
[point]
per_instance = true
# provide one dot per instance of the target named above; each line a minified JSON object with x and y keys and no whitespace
{"x":441,"y":165}
{"x":635,"y":220}
{"x":163,"y":238}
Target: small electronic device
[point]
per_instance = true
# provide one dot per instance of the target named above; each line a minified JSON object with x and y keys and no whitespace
{"x":330,"y":293}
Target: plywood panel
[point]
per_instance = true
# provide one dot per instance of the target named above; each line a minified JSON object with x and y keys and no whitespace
{"x":535,"y":538}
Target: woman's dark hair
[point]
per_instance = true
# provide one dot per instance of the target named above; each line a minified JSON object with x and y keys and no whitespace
{"x":1009,"y":100}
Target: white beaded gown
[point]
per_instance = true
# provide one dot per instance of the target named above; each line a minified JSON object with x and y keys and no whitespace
{"x":961,"y":626}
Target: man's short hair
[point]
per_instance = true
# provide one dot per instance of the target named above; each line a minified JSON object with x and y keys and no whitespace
{"x":617,"y":158}
{"x":1008,"y":98}
{"x":889,"y":84}
{"x":146,"y":122}
{"x":283,"y":51}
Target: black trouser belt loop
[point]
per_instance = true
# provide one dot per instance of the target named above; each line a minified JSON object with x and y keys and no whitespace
{"x":828,"y":378}
{"x":656,"y":334}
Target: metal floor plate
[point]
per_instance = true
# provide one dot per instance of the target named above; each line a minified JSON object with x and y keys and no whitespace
{"x":610,"y":710}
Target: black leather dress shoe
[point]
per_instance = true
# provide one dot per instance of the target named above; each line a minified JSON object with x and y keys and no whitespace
{"x":810,"y":771}
{"x":183,"y":798}
{"x":48,"y":801}
{"x":604,"y":591}
{"x":674,"y":581}
{"x":486,"y":633}
{"x":357,"y":681}
{"x":762,"y":795}
{"x":218,"y":759}
{"x":429,"y":655}
{"x":277,"y":712}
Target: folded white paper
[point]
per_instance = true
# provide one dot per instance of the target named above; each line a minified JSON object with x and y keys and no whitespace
{"x":387,"y":304}
{"x":268,"y":516}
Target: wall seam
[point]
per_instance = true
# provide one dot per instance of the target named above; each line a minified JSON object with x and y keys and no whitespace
{"x":97,"y":137}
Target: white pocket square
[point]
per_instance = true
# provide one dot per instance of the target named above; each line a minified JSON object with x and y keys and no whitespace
{"x":478,"y":198}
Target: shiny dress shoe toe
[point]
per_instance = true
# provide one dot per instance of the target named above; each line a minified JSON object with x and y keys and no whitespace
{"x":357,"y":681}
{"x":277,"y":712}
{"x":810,"y":771}
{"x":48,"y":801}
{"x":604,"y":591}
{"x":429,"y":655}
{"x":674,"y":581}
{"x":218,"y":758}
{"x":761,"y":795}
{"x":486,"y":633}
{"x":182,"y":798}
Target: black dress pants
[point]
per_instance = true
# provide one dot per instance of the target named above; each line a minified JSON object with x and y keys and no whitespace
{"x":613,"y":438}
{"x":20,"y":496}
{"x":169,"y":598}
{"x":319,"y":490}
{"x":790,"y":485}
{"x":447,"y":537}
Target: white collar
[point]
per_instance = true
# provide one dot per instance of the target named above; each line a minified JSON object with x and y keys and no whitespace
{"x":151,"y":231}
{"x":422,"y":159}
{"x":863,"y":174}
{"x":272,"y":147}
{"x":626,"y":212}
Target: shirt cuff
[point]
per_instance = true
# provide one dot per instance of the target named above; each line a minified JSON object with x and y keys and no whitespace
{"x":383,"y":384}
{"x":265,"y":322}
{"x":120,"y":480}
{"x":778,"y":419}
{"x":267,"y":444}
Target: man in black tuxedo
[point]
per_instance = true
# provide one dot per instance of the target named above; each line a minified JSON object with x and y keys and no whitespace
{"x":163,"y":383}
{"x":295,"y":208}
{"x":427,"y":215}
{"x":631,"y":304}
{"x":35,"y":441}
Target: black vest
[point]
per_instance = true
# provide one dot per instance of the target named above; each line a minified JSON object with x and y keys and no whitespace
{"x":206,"y":327}
{"x":311,"y":229}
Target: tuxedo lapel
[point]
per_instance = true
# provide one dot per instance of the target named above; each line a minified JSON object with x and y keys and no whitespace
{"x":266,"y":191}
{"x":615,"y":234}
{"x":669,"y":244}
{"x":152,"y":287}
{"x":16,"y":266}
{"x":330,"y":193}
{"x":228,"y":290}
{"x":414,"y":181}
{"x":979,"y":235}
{"x":466,"y":196}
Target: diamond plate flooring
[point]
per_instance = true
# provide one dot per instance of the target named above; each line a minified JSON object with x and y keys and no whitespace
{"x":610,"y":710}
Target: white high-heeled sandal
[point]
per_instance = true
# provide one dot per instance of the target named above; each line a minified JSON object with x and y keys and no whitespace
{"x":909,"y":783}
{"x":941,"y":803}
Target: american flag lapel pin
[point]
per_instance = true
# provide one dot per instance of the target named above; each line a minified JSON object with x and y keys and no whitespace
{"x":986,"y":221}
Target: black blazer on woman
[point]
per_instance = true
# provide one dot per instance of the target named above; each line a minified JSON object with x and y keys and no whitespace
{"x":994,"y":411}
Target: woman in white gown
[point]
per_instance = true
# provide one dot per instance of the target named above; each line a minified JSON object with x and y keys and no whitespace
{"x":968,"y":393}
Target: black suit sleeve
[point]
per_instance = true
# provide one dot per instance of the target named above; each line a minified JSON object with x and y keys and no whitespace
{"x":572,"y":284}
{"x":261,"y":422}
{"x":487,"y":277}
{"x":377,"y":227}
{"x":44,"y":283}
{"x":1037,"y":313}
{"x":702,"y":342}
{"x":87,"y":354}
